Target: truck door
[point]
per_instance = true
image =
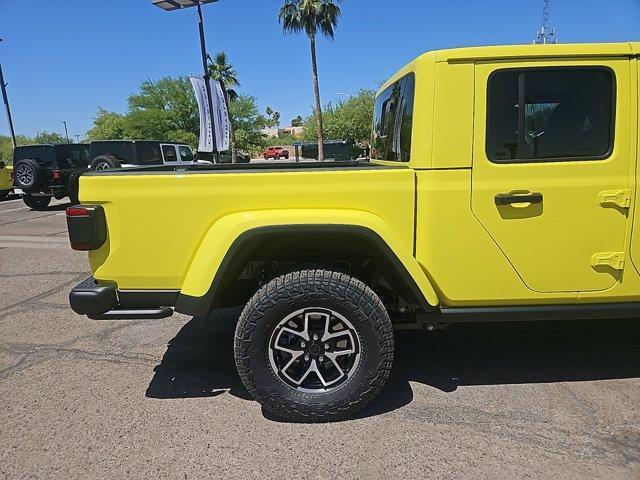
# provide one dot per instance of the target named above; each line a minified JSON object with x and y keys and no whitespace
{"x":550,"y":180}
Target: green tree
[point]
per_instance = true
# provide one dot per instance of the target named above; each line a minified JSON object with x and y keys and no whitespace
{"x":173,"y":98}
{"x":222,"y":71}
{"x":348,"y":120}
{"x":6,"y":147}
{"x":108,"y":126}
{"x":161,"y":110}
{"x":248,"y":123}
{"x":298,"y":121}
{"x":273,"y":117}
{"x":312,"y":17}
{"x":49,"y":137}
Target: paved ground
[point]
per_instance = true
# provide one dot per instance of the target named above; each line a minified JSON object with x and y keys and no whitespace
{"x":161,"y":399}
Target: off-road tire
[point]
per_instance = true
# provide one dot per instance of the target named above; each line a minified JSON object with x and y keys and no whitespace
{"x":105,"y":162}
{"x":35,"y":174}
{"x":36,"y":203}
{"x":308,"y":289}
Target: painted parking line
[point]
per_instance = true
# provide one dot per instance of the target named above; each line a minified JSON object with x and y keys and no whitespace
{"x":24,"y":238}
{"x":14,"y":209}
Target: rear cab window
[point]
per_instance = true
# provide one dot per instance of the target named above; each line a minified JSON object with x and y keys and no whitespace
{"x":393,"y":121}
{"x":169,"y":153}
{"x":186,"y":155}
{"x":567,"y":114}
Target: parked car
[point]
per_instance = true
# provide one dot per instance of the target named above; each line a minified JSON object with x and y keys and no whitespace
{"x":112,"y":154}
{"x":6,"y":180}
{"x":43,"y":172}
{"x":502,"y":186}
{"x":275,"y":153}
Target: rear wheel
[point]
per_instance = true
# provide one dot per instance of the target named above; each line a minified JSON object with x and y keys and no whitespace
{"x":36,"y":203}
{"x":314,"y":345}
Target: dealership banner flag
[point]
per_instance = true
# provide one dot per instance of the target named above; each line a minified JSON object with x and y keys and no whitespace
{"x":221,"y":129}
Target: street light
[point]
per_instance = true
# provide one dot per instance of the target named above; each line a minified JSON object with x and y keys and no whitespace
{"x":66,"y":132}
{"x":5,"y":98}
{"x":171,"y":5}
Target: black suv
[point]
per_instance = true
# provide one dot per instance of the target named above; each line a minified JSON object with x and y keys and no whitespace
{"x":46,"y":171}
{"x":109,"y":154}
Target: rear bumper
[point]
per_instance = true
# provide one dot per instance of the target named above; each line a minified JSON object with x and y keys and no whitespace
{"x":104,"y":301}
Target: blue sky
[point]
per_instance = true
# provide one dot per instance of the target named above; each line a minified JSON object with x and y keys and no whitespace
{"x":64,"y":59}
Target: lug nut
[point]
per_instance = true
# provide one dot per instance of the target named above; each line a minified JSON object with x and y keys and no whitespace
{"x":315,"y":336}
{"x":306,"y":358}
{"x":321,"y":358}
{"x":302,"y":344}
{"x":326,"y":346}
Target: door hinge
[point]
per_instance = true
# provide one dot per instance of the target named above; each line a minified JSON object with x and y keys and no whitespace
{"x":613,"y":260}
{"x":618,"y":198}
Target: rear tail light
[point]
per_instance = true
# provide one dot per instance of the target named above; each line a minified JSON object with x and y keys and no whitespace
{"x":56,"y":174}
{"x":87,"y":227}
{"x":77,"y":212}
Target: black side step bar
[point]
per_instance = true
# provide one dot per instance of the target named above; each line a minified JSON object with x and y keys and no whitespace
{"x":598,"y":311}
{"x":136,"y":314}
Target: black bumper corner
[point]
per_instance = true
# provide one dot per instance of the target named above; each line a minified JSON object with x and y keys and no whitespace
{"x":90,"y":298}
{"x":102,"y":302}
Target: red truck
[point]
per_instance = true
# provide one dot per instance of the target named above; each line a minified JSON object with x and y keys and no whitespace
{"x":275,"y":153}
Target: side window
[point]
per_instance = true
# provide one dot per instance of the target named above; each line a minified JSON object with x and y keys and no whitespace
{"x":550,"y":114}
{"x":393,"y":121}
{"x":148,"y":153}
{"x":186,"y":155}
{"x":169,"y":153}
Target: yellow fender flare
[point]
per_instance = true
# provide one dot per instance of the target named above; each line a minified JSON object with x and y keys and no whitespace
{"x":222,"y":235}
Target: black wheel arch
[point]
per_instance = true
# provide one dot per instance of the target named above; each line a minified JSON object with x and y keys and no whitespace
{"x":242,"y":249}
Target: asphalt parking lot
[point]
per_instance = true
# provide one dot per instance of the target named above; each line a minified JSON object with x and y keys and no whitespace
{"x":161,"y":399}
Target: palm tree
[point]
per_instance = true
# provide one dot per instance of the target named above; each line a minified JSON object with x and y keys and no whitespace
{"x":312,"y":17}
{"x":221,"y":71}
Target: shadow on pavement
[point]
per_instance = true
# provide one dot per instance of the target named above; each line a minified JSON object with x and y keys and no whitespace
{"x":199,"y":360}
{"x":11,"y":196}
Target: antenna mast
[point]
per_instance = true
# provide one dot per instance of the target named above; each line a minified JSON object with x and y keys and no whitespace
{"x":546,"y":34}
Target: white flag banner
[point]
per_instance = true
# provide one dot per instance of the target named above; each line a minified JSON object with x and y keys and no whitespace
{"x":221,"y":116}
{"x":221,"y":129}
{"x":206,"y":132}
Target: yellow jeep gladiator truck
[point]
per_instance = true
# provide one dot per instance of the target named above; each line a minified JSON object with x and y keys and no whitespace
{"x":501,"y":186}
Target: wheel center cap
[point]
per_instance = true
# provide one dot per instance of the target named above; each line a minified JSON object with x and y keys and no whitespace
{"x":314,"y":349}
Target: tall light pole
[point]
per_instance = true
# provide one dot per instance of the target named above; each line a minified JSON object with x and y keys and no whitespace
{"x":66,"y":132}
{"x":169,"y":6}
{"x":5,"y":98}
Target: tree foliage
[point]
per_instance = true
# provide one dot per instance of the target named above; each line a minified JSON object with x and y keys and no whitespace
{"x":348,"y":120}
{"x":247,"y":123}
{"x":312,"y":17}
{"x":167,"y":110}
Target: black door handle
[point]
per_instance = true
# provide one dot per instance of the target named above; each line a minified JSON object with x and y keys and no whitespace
{"x":509,"y":198}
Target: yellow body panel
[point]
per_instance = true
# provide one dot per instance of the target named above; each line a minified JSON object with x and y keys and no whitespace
{"x":157,"y":223}
{"x":6,"y":182}
{"x":466,"y":267}
{"x":171,"y":230}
